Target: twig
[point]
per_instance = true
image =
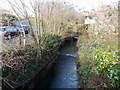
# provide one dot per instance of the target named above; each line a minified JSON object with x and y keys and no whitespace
{"x":7,"y":83}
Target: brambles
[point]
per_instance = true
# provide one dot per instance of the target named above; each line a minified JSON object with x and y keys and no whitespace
{"x":51,"y":22}
{"x":21,"y":64}
{"x":98,"y":56}
{"x":7,"y":19}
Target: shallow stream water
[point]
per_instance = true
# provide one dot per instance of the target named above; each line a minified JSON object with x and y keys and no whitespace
{"x":65,"y":71}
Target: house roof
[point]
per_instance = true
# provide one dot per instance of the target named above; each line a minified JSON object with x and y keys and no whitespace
{"x":112,"y":10}
{"x":101,"y":11}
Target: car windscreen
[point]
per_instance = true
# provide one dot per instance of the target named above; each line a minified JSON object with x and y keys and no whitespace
{"x":11,"y":29}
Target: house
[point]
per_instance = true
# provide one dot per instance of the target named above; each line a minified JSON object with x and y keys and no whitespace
{"x":89,"y":20}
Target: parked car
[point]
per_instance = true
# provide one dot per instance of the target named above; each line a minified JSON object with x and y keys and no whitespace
{"x":25,"y":27}
{"x":22,"y":25}
{"x":9,"y":31}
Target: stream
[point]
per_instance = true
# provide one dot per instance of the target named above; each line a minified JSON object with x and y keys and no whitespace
{"x":64,"y":72}
{"x":65,"y":75}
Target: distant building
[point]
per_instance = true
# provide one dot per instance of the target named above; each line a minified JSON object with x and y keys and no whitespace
{"x":89,"y":20}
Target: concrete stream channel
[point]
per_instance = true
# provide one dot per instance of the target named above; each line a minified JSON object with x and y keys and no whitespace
{"x":63,"y":73}
{"x":58,"y":73}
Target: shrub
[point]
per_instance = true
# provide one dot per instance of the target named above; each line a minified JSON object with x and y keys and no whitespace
{"x":98,"y":56}
{"x":19,"y":65}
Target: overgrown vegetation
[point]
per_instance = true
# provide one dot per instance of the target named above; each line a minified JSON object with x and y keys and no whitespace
{"x":98,"y":55}
{"x":23,"y":63}
{"x":7,"y":19}
{"x":51,"y":22}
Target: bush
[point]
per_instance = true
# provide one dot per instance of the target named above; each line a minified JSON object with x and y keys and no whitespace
{"x":101,"y":59}
{"x":98,"y":56}
{"x":19,"y":65}
{"x":108,"y":64}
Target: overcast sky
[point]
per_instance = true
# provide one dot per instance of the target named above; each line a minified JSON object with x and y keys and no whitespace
{"x":86,"y":4}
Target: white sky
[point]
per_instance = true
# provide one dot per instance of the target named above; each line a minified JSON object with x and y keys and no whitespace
{"x":86,"y":4}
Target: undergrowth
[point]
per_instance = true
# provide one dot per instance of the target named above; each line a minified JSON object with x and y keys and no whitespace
{"x":20,"y":65}
{"x":98,"y":56}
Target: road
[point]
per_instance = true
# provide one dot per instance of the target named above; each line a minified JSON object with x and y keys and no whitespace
{"x":14,"y":42}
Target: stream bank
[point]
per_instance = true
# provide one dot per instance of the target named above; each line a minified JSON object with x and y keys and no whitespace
{"x":63,"y":73}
